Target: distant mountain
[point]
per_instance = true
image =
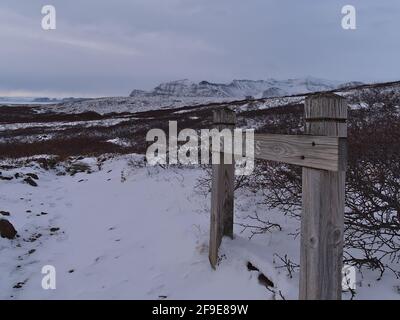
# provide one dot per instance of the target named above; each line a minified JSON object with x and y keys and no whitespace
{"x":240,"y":88}
{"x":274,"y":92}
{"x":350,"y":84}
{"x":45,"y":100}
{"x":36,"y":100}
{"x":16,"y":100}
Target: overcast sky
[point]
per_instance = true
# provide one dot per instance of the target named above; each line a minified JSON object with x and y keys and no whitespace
{"x":104,"y":47}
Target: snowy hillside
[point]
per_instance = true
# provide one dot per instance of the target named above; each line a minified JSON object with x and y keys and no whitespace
{"x":182,"y":93}
{"x":140,"y":103}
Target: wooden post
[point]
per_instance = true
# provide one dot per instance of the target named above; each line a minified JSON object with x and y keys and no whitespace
{"x":223,"y":178}
{"x":321,"y":252}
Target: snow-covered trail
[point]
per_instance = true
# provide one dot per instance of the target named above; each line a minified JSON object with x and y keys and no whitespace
{"x":142,"y":234}
{"x":126,"y":232}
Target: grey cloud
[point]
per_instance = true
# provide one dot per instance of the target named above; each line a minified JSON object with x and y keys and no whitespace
{"x":110,"y":47}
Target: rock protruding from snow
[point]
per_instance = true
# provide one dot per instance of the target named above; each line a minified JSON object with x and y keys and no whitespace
{"x":30,"y":181}
{"x":4,"y":213}
{"x":7,"y":230}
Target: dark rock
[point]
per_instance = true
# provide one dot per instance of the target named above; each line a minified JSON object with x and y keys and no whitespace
{"x":54,"y":229}
{"x":4,"y":213}
{"x":7,"y":230}
{"x":31,"y":251}
{"x":251,"y":267}
{"x":262,"y":279}
{"x":33,"y":176}
{"x":31,"y":182}
{"x":6,"y":178}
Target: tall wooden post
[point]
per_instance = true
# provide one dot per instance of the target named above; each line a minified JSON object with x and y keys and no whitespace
{"x":321,"y":253}
{"x":223,"y":178}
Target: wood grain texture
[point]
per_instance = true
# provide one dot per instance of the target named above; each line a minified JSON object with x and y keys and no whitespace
{"x":322,"y":225}
{"x":320,"y":152}
{"x":223,"y":178}
{"x":335,"y":107}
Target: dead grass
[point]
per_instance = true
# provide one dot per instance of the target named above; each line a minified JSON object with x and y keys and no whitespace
{"x":63,"y":148}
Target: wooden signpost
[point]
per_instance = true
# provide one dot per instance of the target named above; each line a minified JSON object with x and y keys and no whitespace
{"x":322,"y":153}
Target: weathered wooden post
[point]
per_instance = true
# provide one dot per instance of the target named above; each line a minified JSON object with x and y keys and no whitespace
{"x":322,"y":218}
{"x":223,"y":177}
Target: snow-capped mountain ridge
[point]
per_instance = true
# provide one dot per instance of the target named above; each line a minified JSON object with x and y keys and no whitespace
{"x":240,"y":88}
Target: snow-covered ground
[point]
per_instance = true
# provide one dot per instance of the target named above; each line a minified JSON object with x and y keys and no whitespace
{"x":129,"y":104}
{"x":130,"y":232}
